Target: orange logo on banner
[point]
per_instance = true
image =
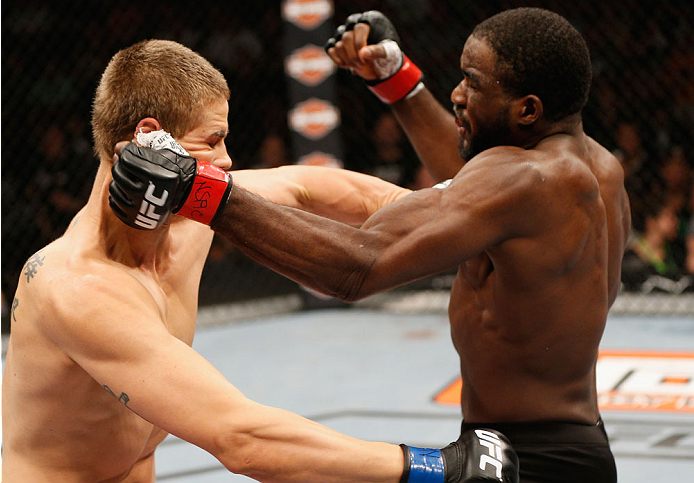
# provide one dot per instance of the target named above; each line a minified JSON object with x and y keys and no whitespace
{"x":310,"y":65}
{"x":314,"y":118}
{"x":307,"y":14}
{"x":630,"y":381}
{"x":319,"y":158}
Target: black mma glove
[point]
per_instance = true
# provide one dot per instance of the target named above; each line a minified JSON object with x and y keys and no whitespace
{"x":398,"y":75}
{"x":150,"y":184}
{"x":479,"y":455}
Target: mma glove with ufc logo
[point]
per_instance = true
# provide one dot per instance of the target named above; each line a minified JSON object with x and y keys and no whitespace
{"x":398,"y":76}
{"x":150,"y":184}
{"x":479,"y":455}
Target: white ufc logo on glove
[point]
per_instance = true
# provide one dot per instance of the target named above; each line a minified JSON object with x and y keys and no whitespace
{"x":493,"y":445}
{"x":147,"y":218}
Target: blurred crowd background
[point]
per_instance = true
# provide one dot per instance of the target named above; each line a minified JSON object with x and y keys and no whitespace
{"x":641,"y":107}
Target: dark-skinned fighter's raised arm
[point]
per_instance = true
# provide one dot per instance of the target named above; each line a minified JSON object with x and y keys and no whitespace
{"x":369,"y":46}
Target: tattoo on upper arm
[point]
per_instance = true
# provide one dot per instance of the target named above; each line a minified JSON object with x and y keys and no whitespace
{"x":32,"y":265}
{"x":15,"y":303}
{"x":124,"y":398}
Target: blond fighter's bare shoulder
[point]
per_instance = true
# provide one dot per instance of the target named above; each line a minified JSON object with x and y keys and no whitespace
{"x":70,"y":285}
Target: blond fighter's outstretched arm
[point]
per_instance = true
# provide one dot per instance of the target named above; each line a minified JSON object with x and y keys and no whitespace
{"x":117,"y":335}
{"x":338,"y":194}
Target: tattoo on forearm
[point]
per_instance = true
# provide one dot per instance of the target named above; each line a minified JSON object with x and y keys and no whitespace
{"x":15,"y":303}
{"x":122,"y":398}
{"x":32,"y":265}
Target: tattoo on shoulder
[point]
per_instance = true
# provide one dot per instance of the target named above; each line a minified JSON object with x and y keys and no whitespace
{"x":122,"y":398}
{"x":32,"y":265}
{"x":15,"y":303}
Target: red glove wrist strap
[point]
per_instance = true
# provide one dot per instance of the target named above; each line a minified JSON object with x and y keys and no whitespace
{"x":400,"y":84}
{"x":211,"y":187}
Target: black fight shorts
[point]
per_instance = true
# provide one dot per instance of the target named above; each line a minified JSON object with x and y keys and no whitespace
{"x":557,"y":452}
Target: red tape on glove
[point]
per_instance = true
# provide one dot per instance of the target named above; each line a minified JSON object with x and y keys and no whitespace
{"x":400,"y":84}
{"x":211,"y":189}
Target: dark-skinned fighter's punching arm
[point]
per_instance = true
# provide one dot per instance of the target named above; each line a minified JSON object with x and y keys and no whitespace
{"x":419,"y":235}
{"x":368,"y":45}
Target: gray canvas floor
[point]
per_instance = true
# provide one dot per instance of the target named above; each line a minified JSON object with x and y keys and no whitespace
{"x":374,"y":375}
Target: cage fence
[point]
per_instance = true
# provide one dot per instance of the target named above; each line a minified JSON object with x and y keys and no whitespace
{"x":641,"y":108}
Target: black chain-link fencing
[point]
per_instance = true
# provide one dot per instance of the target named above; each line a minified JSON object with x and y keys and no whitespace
{"x":641,"y":107}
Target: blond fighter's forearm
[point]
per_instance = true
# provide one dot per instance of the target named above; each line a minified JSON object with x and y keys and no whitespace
{"x":338,"y":194}
{"x":274,"y":445}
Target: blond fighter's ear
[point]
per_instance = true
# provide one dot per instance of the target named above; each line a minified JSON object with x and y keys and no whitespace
{"x":146,"y":124}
